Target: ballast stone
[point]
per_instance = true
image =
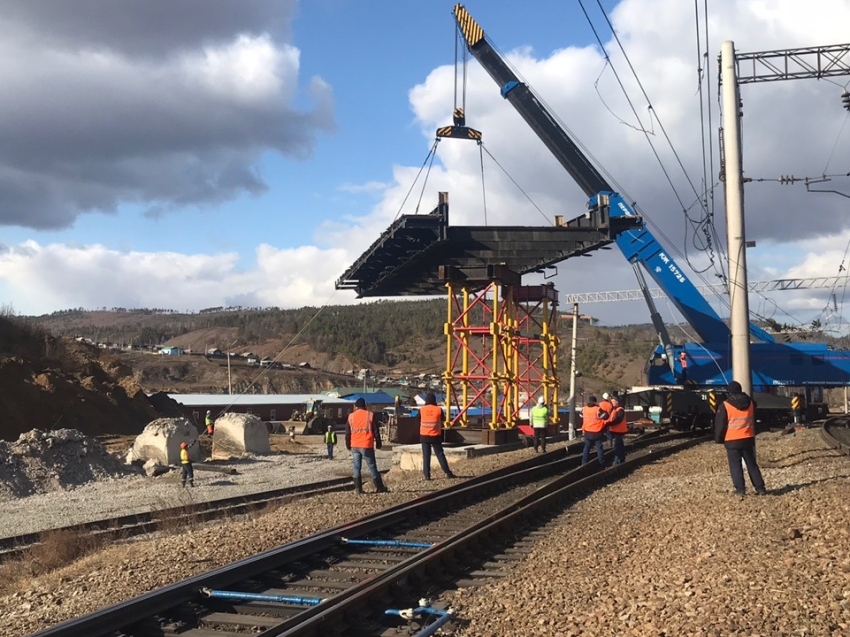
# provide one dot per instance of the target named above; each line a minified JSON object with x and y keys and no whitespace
{"x":238,"y":434}
{"x":160,"y":441}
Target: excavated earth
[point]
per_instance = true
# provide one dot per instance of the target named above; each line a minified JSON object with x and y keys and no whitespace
{"x":667,"y":551}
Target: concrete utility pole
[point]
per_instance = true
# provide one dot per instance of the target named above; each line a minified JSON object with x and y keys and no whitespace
{"x":735,"y":235}
{"x":572,"y":427}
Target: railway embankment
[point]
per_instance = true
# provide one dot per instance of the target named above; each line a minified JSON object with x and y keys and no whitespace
{"x":670,"y":551}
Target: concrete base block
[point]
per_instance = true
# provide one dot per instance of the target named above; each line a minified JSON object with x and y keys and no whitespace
{"x":238,"y":434}
{"x":160,"y":441}
{"x":409,"y":457}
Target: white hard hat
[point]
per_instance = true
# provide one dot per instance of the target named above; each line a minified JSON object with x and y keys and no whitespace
{"x":605,"y":396}
{"x":541,"y":400}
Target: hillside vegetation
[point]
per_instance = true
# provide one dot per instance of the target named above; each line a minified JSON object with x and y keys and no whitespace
{"x":403,"y":335}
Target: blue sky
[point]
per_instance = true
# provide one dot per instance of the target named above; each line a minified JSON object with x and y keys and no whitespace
{"x":249,"y":157}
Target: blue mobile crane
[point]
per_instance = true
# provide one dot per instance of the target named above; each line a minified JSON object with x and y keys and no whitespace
{"x":808,"y":365}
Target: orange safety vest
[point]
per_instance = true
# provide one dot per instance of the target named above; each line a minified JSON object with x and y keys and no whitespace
{"x":620,"y":427}
{"x":684,"y":360}
{"x":360,"y":424}
{"x":430,"y":420}
{"x":184,"y":456}
{"x":741,"y":423}
{"x":590,"y":420}
{"x":606,"y":406}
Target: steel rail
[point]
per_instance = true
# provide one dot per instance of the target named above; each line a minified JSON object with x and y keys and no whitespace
{"x":151,"y":521}
{"x":829,"y":426}
{"x":108,"y":620}
{"x":311,"y":622}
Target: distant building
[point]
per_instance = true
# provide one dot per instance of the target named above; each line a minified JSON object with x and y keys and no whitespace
{"x":215,"y":352}
{"x":172,"y":350}
{"x":267,"y":407}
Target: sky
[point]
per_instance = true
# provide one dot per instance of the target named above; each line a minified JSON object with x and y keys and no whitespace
{"x":198,"y":154}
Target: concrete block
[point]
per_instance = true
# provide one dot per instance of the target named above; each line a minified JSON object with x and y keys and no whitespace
{"x":238,"y":434}
{"x":160,"y":441}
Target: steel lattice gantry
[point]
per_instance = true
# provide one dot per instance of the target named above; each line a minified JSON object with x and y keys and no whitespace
{"x":501,"y":337}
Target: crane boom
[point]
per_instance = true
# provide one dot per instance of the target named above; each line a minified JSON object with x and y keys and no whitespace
{"x":638,"y":246}
{"x":536,"y":115}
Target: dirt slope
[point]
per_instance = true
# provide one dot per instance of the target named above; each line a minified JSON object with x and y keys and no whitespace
{"x":50,"y":383}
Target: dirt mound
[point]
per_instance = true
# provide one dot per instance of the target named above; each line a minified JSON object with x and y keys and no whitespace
{"x":43,"y":461}
{"x":49,"y":383}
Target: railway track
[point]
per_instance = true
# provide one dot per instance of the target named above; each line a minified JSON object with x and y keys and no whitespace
{"x":358,"y":578}
{"x":126,"y":526}
{"x":836,"y":433}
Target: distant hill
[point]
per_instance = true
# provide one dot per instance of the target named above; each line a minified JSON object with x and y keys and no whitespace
{"x":406,"y":336}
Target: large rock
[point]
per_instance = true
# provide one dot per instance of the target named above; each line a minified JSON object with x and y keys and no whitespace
{"x":161,"y":440}
{"x":237,"y":434}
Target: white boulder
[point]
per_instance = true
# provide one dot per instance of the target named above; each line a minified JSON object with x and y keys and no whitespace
{"x":160,"y":441}
{"x":238,"y":434}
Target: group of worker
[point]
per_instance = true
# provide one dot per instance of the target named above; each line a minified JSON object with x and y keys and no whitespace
{"x":734,"y":428}
{"x":605,"y":419}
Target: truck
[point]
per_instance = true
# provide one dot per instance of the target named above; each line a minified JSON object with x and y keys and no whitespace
{"x":810,"y":366}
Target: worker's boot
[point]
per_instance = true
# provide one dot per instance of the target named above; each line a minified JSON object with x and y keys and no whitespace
{"x":379,"y":485}
{"x":358,"y":484}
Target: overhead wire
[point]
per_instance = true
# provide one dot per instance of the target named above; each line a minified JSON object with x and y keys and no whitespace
{"x":699,"y":196}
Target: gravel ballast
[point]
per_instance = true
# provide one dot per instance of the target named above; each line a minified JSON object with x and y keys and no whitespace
{"x":672,"y":552}
{"x":668,"y":551}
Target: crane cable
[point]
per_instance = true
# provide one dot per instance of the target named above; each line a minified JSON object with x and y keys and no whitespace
{"x":292,"y":341}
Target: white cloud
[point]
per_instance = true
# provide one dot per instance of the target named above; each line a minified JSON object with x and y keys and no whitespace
{"x":789,"y":128}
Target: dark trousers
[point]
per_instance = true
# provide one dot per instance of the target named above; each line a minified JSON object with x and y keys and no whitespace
{"x":748,"y":455}
{"x":435,"y":443}
{"x":619,"y":447}
{"x":187,"y":473}
{"x":330,"y":452}
{"x":591,"y":438}
{"x":540,"y":438}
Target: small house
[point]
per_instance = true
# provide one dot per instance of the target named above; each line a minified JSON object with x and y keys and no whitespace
{"x":172,"y":350}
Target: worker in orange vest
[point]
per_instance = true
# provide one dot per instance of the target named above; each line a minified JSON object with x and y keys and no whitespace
{"x":735,"y":428}
{"x":618,"y":427}
{"x":431,"y":436}
{"x":593,"y":428}
{"x":683,"y":361}
{"x":362,"y":437}
{"x":208,"y":421}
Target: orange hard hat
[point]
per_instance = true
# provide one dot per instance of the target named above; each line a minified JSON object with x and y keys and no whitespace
{"x":183,"y":445}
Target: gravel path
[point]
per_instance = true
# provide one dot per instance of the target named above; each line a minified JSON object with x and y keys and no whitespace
{"x":667,"y":552}
{"x":137,"y":494}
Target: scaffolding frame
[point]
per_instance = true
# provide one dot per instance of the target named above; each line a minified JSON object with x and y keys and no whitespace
{"x":501,"y":352}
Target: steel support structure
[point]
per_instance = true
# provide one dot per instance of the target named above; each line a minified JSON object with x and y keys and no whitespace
{"x":501,"y":353}
{"x":537,"y":345}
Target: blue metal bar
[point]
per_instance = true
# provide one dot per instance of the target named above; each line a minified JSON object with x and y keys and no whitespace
{"x":257,"y":597}
{"x":415,"y":545}
{"x":433,"y":628}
